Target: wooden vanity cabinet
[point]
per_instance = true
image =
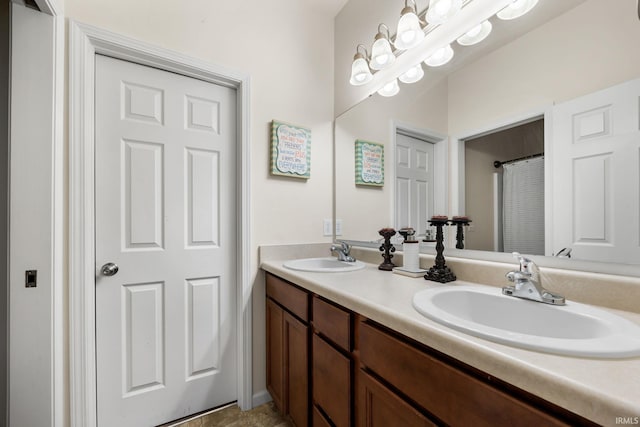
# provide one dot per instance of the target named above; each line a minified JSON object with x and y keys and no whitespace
{"x":328,"y":366}
{"x":445,"y":390}
{"x":288,"y":332}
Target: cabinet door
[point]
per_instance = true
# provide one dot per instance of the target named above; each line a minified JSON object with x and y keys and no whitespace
{"x":296,"y":341}
{"x":332,"y":382}
{"x":380,"y":407}
{"x":275,"y":355}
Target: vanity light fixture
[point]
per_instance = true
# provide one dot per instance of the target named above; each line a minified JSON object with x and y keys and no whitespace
{"x":410,"y":32}
{"x":360,"y":72}
{"x":412,"y":75}
{"x":390,"y":89}
{"x":441,"y":10}
{"x":466,"y":21}
{"x":440,"y":56}
{"x":516,"y":9}
{"x":476,"y":34}
{"x":381,"y":52}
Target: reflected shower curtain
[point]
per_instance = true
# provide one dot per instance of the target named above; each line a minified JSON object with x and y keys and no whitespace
{"x":523,"y":206}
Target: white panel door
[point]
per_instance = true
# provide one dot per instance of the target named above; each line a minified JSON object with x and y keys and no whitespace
{"x":414,"y":182}
{"x":165,"y":214}
{"x":596,"y":180}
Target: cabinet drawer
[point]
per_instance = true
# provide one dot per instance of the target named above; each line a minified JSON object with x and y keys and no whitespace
{"x":292,"y":298}
{"x":380,"y":407}
{"x":332,"y":322}
{"x":451,"y":395}
{"x":331,"y":382}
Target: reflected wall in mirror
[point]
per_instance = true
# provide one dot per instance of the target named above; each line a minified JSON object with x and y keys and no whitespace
{"x":516,"y":80}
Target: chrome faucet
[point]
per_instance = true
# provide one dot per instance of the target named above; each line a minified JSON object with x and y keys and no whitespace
{"x":527,"y":283}
{"x":344,"y":252}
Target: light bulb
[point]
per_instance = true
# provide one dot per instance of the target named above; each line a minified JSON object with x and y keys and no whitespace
{"x":409,"y":32}
{"x":390,"y":88}
{"x":441,"y":10}
{"x":476,"y":34}
{"x":360,"y":73}
{"x":412,"y":75}
{"x":474,"y":31}
{"x":381,"y":53}
{"x":440,"y":57}
{"x":443,"y":7}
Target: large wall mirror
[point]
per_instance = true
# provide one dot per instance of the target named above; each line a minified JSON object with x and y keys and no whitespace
{"x":536,"y":86}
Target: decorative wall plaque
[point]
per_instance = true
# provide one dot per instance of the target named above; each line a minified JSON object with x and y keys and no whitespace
{"x":290,"y":150}
{"x":369,"y":163}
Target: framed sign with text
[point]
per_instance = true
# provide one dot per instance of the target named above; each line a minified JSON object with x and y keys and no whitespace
{"x":290,"y":150}
{"x":369,"y":163}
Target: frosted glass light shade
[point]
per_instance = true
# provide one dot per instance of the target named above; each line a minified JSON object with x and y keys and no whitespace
{"x":441,"y":10}
{"x":390,"y":89}
{"x":440,"y":57}
{"x":409,"y":32}
{"x":381,"y":54}
{"x":412,"y":75}
{"x":516,"y":9}
{"x":360,"y":73}
{"x":476,"y":34}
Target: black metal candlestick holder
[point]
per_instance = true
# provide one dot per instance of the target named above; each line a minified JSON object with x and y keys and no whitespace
{"x":387,"y":249}
{"x":440,"y":272}
{"x":460,"y":222}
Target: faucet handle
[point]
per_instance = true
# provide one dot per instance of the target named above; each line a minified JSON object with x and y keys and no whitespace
{"x":525,"y":262}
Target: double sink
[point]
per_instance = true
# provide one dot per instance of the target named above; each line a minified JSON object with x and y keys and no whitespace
{"x":573,"y":329}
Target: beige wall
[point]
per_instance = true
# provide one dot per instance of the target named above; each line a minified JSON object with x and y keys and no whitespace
{"x":363,"y":209}
{"x":286,"y":47}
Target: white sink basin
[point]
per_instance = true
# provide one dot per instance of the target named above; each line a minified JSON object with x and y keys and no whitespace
{"x":323,"y":265}
{"x":572,"y":330}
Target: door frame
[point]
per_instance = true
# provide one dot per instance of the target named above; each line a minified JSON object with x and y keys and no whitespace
{"x":458,"y":159}
{"x":84,"y":43}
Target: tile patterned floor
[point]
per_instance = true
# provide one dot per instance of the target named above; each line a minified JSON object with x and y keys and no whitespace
{"x":263,"y":416}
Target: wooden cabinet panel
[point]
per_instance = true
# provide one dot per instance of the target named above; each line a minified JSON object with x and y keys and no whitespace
{"x":333,"y":322}
{"x":275,"y":354}
{"x":296,"y":339}
{"x":331,"y":382}
{"x":292,"y":298}
{"x":318,"y":419}
{"x":451,"y":395}
{"x":380,"y":407}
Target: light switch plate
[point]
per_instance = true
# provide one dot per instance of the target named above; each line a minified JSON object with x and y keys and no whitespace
{"x":338,"y":227}
{"x":327,"y":227}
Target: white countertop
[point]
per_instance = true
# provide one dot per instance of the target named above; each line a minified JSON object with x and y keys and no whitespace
{"x":598,"y":389}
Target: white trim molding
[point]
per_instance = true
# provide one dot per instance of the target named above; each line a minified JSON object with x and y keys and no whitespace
{"x":84,"y":43}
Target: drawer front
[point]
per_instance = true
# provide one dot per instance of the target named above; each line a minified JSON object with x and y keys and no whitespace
{"x":380,"y":407}
{"x":451,"y":395}
{"x":332,"y":322}
{"x":331,"y":382}
{"x":292,"y":298}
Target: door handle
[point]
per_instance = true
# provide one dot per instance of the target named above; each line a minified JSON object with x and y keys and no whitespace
{"x":109,"y":269}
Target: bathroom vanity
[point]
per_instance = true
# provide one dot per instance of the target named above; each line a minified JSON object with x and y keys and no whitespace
{"x":349,"y":349}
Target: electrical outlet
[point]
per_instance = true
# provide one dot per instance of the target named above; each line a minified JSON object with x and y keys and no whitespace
{"x":338,"y":227}
{"x":327,"y":227}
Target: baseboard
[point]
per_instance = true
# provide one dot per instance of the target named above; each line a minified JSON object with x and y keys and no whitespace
{"x":260,"y":398}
